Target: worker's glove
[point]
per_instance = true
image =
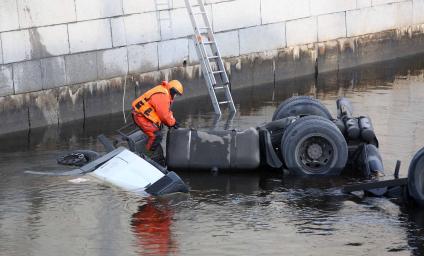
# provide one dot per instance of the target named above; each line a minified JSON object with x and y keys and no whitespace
{"x":176,"y":125}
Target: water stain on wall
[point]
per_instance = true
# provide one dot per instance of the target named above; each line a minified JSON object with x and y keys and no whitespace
{"x":37,"y":48}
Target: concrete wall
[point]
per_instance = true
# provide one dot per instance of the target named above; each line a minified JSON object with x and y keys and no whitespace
{"x":68,"y":58}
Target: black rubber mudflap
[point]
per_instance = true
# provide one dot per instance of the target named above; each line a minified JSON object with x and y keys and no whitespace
{"x":267,"y":150}
{"x":369,"y":160}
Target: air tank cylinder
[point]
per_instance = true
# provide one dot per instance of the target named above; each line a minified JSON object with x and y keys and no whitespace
{"x":367,"y":130}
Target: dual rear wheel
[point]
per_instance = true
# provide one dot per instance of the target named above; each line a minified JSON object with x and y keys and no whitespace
{"x":311,"y":144}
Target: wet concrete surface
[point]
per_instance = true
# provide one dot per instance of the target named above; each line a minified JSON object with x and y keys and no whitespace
{"x":230,"y":214}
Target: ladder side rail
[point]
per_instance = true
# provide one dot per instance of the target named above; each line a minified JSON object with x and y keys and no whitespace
{"x":206,"y":61}
{"x":202,"y":47}
{"x":203,"y":56}
{"x":219,"y":62}
{"x":214,"y":45}
{"x":230,"y":98}
{"x":209,"y":85}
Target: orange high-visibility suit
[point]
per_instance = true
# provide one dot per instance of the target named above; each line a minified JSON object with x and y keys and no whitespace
{"x":151,"y":110}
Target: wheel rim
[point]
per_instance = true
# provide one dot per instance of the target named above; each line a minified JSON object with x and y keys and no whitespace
{"x":315,"y":154}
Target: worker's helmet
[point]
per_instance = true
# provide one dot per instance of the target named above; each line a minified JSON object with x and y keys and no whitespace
{"x":175,"y":87}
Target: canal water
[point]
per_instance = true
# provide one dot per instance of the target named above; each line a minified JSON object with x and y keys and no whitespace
{"x":224,"y":214}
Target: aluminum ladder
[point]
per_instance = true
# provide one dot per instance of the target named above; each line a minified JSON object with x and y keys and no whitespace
{"x":209,"y":56}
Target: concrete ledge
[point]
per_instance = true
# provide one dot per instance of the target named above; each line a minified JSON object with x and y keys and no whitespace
{"x":95,"y":102}
{"x":328,"y":56}
{"x":15,"y":114}
{"x":252,"y":70}
{"x":43,"y":108}
{"x":68,"y":103}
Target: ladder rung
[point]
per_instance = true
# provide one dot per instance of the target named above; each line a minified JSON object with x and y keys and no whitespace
{"x":209,"y":42}
{"x":217,"y":72}
{"x":203,"y":27}
{"x":224,"y":102}
{"x":218,"y":87}
{"x":213,"y":57}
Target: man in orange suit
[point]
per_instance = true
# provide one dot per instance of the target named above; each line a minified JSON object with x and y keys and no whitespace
{"x":152,"y":110}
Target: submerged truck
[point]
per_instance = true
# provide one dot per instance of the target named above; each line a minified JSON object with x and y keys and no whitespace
{"x":302,"y":138}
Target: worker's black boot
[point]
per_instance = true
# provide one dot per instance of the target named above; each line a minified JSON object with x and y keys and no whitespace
{"x":157,"y":156}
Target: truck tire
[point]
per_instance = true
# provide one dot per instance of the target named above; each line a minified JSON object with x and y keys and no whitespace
{"x":314,"y":146}
{"x":78,"y":158}
{"x":416,"y":178}
{"x":301,"y":106}
{"x":277,"y":128}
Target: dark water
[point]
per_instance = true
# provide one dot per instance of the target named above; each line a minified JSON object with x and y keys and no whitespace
{"x":228,"y":214}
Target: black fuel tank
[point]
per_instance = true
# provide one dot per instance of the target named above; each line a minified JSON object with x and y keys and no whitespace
{"x":189,"y":149}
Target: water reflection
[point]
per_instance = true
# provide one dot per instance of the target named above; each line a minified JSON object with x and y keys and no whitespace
{"x":415,"y":230}
{"x":151,"y":225}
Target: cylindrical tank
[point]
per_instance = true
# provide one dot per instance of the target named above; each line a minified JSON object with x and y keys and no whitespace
{"x":367,"y":130}
{"x":352,"y":128}
{"x":344,"y":108}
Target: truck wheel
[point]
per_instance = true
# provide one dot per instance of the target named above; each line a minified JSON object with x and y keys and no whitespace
{"x":78,"y":157}
{"x":301,"y":106}
{"x":314,"y":146}
{"x":416,"y":178}
{"x":277,"y":128}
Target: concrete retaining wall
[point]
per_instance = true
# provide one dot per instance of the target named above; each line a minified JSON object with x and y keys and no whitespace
{"x":65,"y":60}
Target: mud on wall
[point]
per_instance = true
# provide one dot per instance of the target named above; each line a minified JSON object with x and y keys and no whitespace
{"x":67,"y":60}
